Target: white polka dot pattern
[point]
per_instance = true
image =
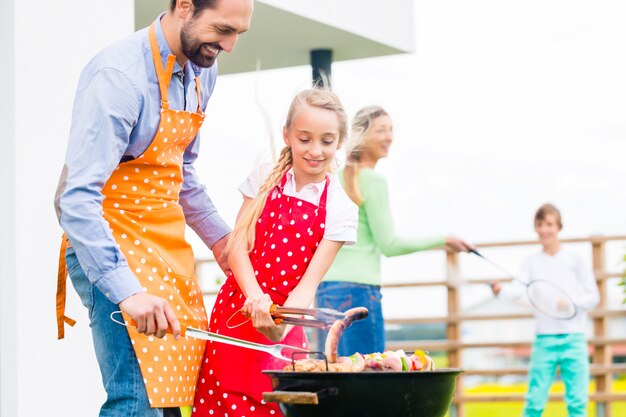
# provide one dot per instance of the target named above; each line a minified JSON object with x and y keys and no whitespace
{"x":233,"y":387}
{"x":141,"y":207}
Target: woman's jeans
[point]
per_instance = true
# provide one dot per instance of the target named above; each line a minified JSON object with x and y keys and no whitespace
{"x":126,"y":392}
{"x":569,"y":352}
{"x":363,"y":336}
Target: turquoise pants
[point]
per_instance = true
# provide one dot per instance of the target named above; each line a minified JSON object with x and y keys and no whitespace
{"x":569,"y":352}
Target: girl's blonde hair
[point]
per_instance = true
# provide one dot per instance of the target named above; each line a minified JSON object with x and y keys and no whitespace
{"x":356,"y":145}
{"x":246,"y":223}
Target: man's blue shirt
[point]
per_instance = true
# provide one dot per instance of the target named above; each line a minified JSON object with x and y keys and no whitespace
{"x":115,"y":118}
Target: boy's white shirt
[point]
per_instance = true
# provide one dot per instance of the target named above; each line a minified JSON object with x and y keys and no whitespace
{"x":342,"y":215}
{"x":569,"y":272}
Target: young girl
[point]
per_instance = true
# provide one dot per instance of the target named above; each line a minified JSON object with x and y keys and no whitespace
{"x":559,"y":342}
{"x":292,"y":223}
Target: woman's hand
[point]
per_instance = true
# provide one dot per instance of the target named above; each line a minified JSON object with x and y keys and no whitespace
{"x":458,"y":245}
{"x":257,"y":307}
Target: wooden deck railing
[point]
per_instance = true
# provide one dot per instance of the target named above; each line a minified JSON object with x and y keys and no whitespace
{"x":602,"y":367}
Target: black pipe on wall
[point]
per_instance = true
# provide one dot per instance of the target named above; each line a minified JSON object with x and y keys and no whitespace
{"x":321,"y":61}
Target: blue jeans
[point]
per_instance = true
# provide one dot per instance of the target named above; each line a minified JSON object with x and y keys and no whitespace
{"x":126,"y":392}
{"x":569,"y":352}
{"x":364,"y":336}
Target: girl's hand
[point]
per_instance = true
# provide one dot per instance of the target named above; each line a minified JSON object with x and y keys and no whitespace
{"x":262,"y":319}
{"x":252,"y":301}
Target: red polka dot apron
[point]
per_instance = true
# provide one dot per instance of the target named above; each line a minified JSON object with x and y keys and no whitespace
{"x":286,"y":237}
{"x":142,"y":209}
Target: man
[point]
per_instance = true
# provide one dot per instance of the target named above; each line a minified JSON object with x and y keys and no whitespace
{"x":126,"y":191}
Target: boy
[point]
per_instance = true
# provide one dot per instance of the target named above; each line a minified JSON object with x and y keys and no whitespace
{"x":559,"y":342}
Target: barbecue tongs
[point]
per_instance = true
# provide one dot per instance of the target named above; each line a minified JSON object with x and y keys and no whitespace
{"x":321,"y":318}
{"x":275,"y":350}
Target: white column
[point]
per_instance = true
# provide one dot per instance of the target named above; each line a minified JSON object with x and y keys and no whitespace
{"x":52,"y":43}
{"x":8,"y":328}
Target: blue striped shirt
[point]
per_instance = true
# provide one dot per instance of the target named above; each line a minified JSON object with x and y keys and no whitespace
{"x":115,"y":118}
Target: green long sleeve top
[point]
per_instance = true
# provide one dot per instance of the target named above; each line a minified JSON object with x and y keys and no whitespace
{"x":376,"y":236}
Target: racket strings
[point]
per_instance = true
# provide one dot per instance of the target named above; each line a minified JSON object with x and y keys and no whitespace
{"x":550,"y":300}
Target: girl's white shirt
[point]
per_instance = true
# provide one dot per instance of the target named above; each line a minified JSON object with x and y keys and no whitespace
{"x":569,"y":272}
{"x":342,"y":215}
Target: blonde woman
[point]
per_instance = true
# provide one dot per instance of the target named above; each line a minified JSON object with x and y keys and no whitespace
{"x":354,"y":278}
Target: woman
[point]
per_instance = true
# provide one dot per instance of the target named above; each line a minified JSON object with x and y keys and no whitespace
{"x":354,"y":278}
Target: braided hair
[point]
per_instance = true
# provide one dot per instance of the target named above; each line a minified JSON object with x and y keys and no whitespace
{"x":246,"y":223}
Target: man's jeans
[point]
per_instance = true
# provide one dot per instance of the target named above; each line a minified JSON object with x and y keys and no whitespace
{"x":126,"y":392}
{"x":363,"y":336}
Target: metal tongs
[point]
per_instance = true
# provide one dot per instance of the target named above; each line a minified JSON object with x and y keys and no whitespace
{"x":275,"y":350}
{"x":321,"y":318}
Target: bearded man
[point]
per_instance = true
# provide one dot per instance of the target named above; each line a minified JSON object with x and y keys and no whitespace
{"x":127,"y":189}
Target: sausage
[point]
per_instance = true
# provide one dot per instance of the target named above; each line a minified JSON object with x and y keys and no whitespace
{"x":337,"y":329}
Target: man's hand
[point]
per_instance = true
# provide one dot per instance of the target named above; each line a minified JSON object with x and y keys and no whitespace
{"x":495,"y":288}
{"x":458,"y":245}
{"x":153,"y":315}
{"x":220,"y":255}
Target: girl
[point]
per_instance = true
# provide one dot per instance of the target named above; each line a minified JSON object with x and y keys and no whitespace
{"x":354,"y":279}
{"x":558,"y":342}
{"x":290,"y":227}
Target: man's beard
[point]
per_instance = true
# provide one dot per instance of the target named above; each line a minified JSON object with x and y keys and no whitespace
{"x":192,"y":49}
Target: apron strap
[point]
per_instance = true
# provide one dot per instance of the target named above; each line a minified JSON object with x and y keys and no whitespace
{"x":197,"y":79}
{"x":164,"y":76}
{"x":323,"y":197}
{"x":61,"y":292}
{"x":283,"y":180}
{"x":322,"y":204}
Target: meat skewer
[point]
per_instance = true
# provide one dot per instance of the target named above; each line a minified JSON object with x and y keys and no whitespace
{"x":397,"y":361}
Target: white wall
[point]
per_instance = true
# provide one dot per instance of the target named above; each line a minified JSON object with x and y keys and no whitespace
{"x":8,"y":323}
{"x":53,"y":41}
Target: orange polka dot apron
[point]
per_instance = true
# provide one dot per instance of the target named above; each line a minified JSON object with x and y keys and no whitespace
{"x":286,"y":237}
{"x":142,"y":209}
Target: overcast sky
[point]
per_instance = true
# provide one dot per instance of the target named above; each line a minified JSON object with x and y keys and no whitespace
{"x":504,"y":106}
